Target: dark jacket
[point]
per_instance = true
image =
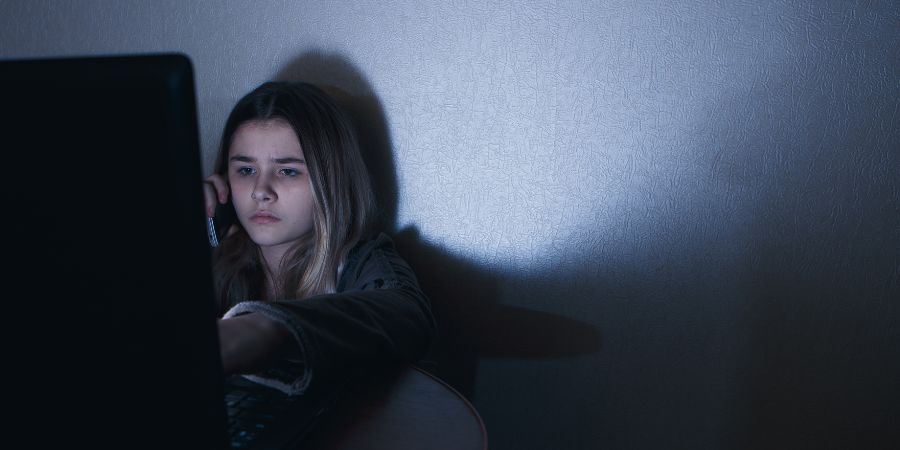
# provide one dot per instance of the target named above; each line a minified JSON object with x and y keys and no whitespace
{"x":378,"y":314}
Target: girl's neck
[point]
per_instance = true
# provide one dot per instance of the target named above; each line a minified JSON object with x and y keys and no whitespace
{"x":270,"y":287}
{"x":273,"y":257}
{"x":273,"y":282}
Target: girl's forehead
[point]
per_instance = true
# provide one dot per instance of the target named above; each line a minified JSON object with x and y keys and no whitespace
{"x":273,"y":138}
{"x":276,"y":126}
{"x":275,"y":122}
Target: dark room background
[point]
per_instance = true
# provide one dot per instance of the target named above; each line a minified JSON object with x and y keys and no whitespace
{"x":643,"y":224}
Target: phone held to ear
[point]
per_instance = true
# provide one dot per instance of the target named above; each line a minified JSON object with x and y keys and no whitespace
{"x":217,"y":226}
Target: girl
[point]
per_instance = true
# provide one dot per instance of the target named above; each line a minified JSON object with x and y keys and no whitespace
{"x":305,"y":287}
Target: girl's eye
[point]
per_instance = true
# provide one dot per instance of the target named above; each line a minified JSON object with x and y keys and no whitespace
{"x":288,"y":172}
{"x":244,"y":171}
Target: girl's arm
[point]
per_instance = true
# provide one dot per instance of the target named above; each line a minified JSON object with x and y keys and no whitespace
{"x":379,"y":315}
{"x":250,"y":341}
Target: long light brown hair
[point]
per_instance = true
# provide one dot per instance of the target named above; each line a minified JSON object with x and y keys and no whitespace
{"x":342,"y":193}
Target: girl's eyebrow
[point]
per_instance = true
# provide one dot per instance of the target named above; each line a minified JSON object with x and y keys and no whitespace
{"x":286,"y":160}
{"x":290,"y":160}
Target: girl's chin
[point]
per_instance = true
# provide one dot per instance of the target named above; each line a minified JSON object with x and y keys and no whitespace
{"x":266,"y":240}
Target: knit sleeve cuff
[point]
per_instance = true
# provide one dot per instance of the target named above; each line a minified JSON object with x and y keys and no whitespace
{"x":290,"y":375}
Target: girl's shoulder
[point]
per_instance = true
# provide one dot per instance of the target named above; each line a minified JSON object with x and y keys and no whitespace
{"x":373,"y":259}
{"x":363,"y":249}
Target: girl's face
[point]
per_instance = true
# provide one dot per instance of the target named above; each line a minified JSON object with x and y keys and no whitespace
{"x":270,"y":186}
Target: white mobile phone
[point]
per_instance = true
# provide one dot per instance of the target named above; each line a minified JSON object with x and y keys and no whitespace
{"x":217,"y":226}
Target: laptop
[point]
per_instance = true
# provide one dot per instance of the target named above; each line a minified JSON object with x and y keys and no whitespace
{"x":110,"y":337}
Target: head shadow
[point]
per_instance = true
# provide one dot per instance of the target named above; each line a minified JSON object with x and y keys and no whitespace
{"x":464,"y":296}
{"x":345,"y":83}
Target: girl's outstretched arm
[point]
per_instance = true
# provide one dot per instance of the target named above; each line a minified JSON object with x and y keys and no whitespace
{"x":378,"y":315}
{"x":251,"y":341}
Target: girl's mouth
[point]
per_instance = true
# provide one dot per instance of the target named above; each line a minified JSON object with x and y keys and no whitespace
{"x":264,"y":218}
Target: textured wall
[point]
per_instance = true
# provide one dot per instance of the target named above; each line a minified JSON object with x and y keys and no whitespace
{"x":643,"y":224}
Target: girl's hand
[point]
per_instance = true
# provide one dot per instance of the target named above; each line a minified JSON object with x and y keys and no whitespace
{"x":215,"y":188}
{"x":250,"y":342}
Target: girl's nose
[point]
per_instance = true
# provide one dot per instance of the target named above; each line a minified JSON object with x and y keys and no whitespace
{"x":260,"y":195}
{"x":262,"y":192}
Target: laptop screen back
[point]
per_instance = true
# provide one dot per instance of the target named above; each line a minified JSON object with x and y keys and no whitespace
{"x":110,"y":337}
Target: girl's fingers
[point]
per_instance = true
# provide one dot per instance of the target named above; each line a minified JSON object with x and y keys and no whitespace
{"x":221,"y":187}
{"x":209,"y":198}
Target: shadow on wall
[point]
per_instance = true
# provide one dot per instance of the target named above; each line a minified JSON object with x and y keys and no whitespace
{"x":822,"y":265}
{"x":471,"y":323}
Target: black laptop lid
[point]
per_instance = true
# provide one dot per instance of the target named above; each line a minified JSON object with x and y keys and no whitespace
{"x":110,"y":337}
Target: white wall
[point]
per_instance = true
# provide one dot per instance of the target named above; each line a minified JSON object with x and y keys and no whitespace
{"x":638,"y":197}
{"x":516,"y":127}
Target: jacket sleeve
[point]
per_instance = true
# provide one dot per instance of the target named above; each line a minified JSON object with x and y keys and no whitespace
{"x":378,"y":315}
